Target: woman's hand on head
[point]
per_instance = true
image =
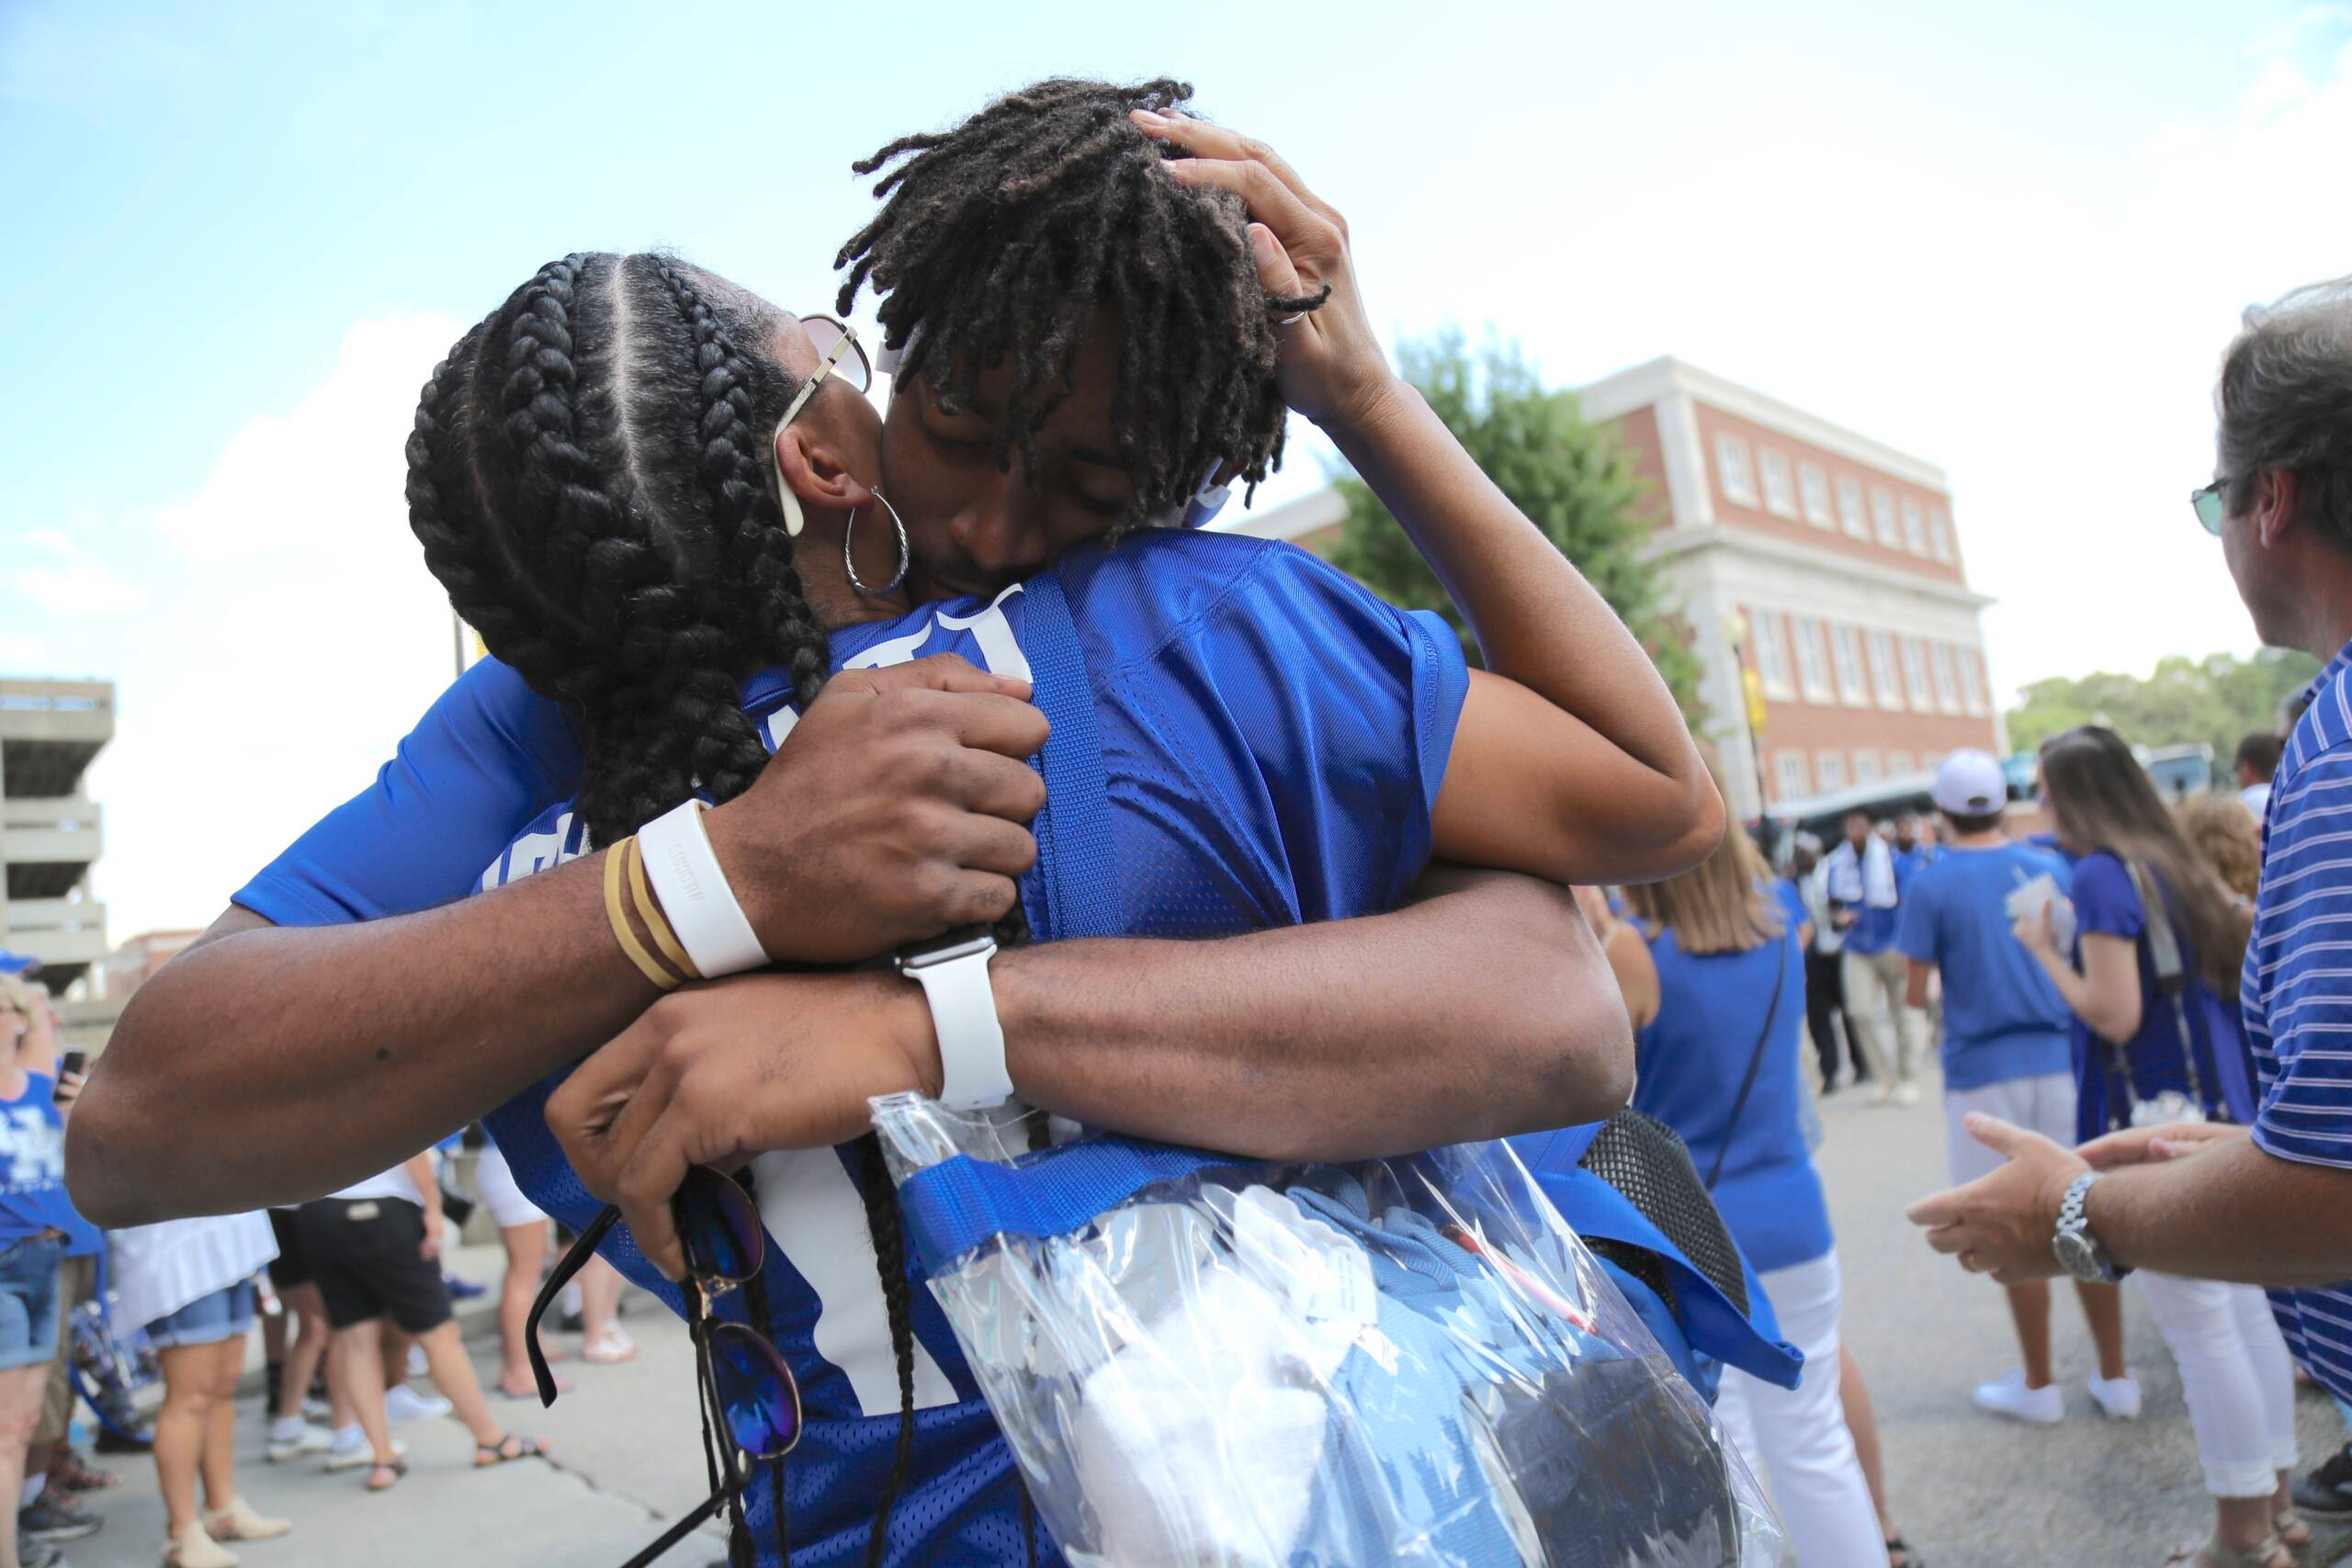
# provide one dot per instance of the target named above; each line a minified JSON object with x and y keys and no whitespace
{"x":1332,"y":369}
{"x":714,"y":1074}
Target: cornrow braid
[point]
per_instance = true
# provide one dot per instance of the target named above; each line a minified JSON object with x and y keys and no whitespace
{"x":999,"y":239}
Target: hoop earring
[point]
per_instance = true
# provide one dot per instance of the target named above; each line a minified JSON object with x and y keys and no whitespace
{"x":906,"y":555}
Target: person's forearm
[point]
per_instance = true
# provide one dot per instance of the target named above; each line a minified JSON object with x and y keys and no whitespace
{"x":1537,"y":618}
{"x":1476,"y":1014}
{"x":321,"y":1055}
{"x":428,"y":1185}
{"x":2229,"y":1213}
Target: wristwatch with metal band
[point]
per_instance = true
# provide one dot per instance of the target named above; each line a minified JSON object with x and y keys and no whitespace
{"x":2079,"y":1252}
{"x":954,"y":973}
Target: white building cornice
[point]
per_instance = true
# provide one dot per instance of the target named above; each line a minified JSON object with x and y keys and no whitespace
{"x":1667,"y":377}
{"x":1678,"y":543}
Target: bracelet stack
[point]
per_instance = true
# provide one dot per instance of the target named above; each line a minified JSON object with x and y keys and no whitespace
{"x":629,"y":902}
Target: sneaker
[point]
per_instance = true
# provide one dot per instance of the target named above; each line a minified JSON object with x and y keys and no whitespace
{"x":417,"y":1365}
{"x":48,"y":1520}
{"x":462,"y":1289}
{"x":317,"y":1410}
{"x":1907,"y":1094}
{"x":404,"y":1403}
{"x":2326,"y":1493}
{"x":287,"y":1442}
{"x":355,"y":1453}
{"x":2006,"y":1395}
{"x":38,"y":1554}
{"x":2119,"y":1400}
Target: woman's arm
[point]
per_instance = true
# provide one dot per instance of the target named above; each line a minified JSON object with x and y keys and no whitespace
{"x":2105,"y":993}
{"x":1483,"y":1010}
{"x":1581,"y":748}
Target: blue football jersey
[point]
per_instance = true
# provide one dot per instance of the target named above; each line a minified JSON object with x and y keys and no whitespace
{"x":1272,"y":739}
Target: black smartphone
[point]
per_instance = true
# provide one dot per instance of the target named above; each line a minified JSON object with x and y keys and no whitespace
{"x":71,"y":1062}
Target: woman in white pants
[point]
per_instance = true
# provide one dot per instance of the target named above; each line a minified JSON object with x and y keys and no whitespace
{"x":1712,"y":967}
{"x":522,"y":1229}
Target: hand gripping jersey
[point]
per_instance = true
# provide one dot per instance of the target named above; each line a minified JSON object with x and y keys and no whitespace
{"x":1270,"y":740}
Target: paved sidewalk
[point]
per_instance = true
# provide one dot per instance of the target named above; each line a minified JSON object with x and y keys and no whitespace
{"x":627,"y":1459}
{"x":1973,"y":1492}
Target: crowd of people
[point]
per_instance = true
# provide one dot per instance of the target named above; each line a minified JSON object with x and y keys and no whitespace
{"x":769,"y":670}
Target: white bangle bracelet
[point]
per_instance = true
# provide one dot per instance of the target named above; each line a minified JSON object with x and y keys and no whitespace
{"x":701,"y":907}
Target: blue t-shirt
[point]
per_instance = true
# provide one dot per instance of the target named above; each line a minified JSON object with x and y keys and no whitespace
{"x":1272,"y":740}
{"x":32,"y":1148}
{"x":2153,"y":1059}
{"x":2003,"y":1017}
{"x":1690,"y":1061}
{"x":1910,"y":863}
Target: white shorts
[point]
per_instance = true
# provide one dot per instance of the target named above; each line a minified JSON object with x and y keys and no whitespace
{"x":494,"y":1185}
{"x":2044,"y":1105}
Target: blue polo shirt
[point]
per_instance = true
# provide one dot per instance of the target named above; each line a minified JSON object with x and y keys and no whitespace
{"x":2298,"y":990}
{"x":2003,"y":1017}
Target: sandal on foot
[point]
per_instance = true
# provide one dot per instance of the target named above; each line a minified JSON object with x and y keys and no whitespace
{"x":192,"y":1548}
{"x":239,"y":1521}
{"x":2291,"y":1528}
{"x":2267,"y":1553}
{"x":488,"y":1456}
{"x":610,"y":1350}
{"x":396,"y":1470}
{"x":1899,"y":1554}
{"x":73,"y":1473}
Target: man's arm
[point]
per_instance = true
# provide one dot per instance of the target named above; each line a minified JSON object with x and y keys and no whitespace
{"x":1916,"y":979}
{"x":428,"y":1193}
{"x":321,"y":1055}
{"x":1483,"y":1010}
{"x":2228,"y":1212}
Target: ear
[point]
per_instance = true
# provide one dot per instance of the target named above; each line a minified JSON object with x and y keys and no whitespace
{"x":811,"y":476}
{"x":2275,"y":496}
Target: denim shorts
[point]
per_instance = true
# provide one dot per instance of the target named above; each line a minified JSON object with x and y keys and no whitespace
{"x":226,"y":1313}
{"x":29,"y":1301}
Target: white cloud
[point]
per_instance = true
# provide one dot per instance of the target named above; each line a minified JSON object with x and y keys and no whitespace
{"x":290,"y":634}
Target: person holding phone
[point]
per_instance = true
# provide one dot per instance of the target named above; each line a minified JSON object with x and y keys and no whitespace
{"x":51,"y":1513}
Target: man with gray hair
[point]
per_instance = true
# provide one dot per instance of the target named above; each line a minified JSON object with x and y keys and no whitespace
{"x":2271,"y":1206}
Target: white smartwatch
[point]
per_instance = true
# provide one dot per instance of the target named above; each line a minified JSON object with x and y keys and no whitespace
{"x":954,"y":973}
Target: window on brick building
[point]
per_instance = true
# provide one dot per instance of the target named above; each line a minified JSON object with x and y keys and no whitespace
{"x":1865,"y":767}
{"x":1813,"y":487}
{"x":1882,"y":518}
{"x":1972,"y":682}
{"x":1883,"y":674}
{"x":1898,"y":764}
{"x":1947,"y":685}
{"x":1850,"y":514}
{"x":1731,"y":464}
{"x":1795,"y":785}
{"x":1916,"y":679}
{"x":1939,"y":534}
{"x":1829,"y":770}
{"x":1771,"y":654}
{"x":1780,"y":490}
{"x":1813,"y":659}
{"x":1846,"y":651}
{"x":1915,"y":528}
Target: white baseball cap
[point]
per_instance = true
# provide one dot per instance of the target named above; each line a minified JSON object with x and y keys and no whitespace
{"x":1970,"y":782}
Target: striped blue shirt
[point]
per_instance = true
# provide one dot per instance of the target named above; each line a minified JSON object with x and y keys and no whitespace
{"x":2298,"y":989}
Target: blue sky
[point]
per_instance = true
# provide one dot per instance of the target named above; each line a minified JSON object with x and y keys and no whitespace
{"x":2010,"y":242}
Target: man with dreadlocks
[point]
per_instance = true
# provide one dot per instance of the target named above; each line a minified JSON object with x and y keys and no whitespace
{"x":1281,"y":748}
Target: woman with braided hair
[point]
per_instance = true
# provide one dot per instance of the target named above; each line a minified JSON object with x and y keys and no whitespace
{"x":587,"y":477}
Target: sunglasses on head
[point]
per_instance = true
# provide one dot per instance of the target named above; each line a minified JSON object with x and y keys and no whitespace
{"x":738,"y":1374}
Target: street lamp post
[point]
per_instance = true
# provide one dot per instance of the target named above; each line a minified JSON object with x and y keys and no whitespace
{"x":1751,"y":691}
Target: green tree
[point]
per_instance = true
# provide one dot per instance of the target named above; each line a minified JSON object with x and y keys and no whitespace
{"x":2217,"y":700}
{"x":1575,"y":481}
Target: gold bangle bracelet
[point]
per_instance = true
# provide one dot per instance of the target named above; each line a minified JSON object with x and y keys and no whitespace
{"x":618,"y":917}
{"x":665,"y":936}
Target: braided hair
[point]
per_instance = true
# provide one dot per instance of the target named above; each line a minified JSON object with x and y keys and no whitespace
{"x":999,"y":239}
{"x":585,"y":476}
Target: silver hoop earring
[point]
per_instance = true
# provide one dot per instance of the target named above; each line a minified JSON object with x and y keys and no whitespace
{"x":906,"y":555}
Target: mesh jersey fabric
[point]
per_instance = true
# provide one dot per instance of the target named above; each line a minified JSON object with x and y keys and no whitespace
{"x":1272,"y":739}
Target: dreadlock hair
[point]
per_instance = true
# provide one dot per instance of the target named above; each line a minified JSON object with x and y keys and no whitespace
{"x":584,"y":475}
{"x":998,"y":239}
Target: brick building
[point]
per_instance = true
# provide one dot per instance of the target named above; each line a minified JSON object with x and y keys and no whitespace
{"x":1825,"y":562}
